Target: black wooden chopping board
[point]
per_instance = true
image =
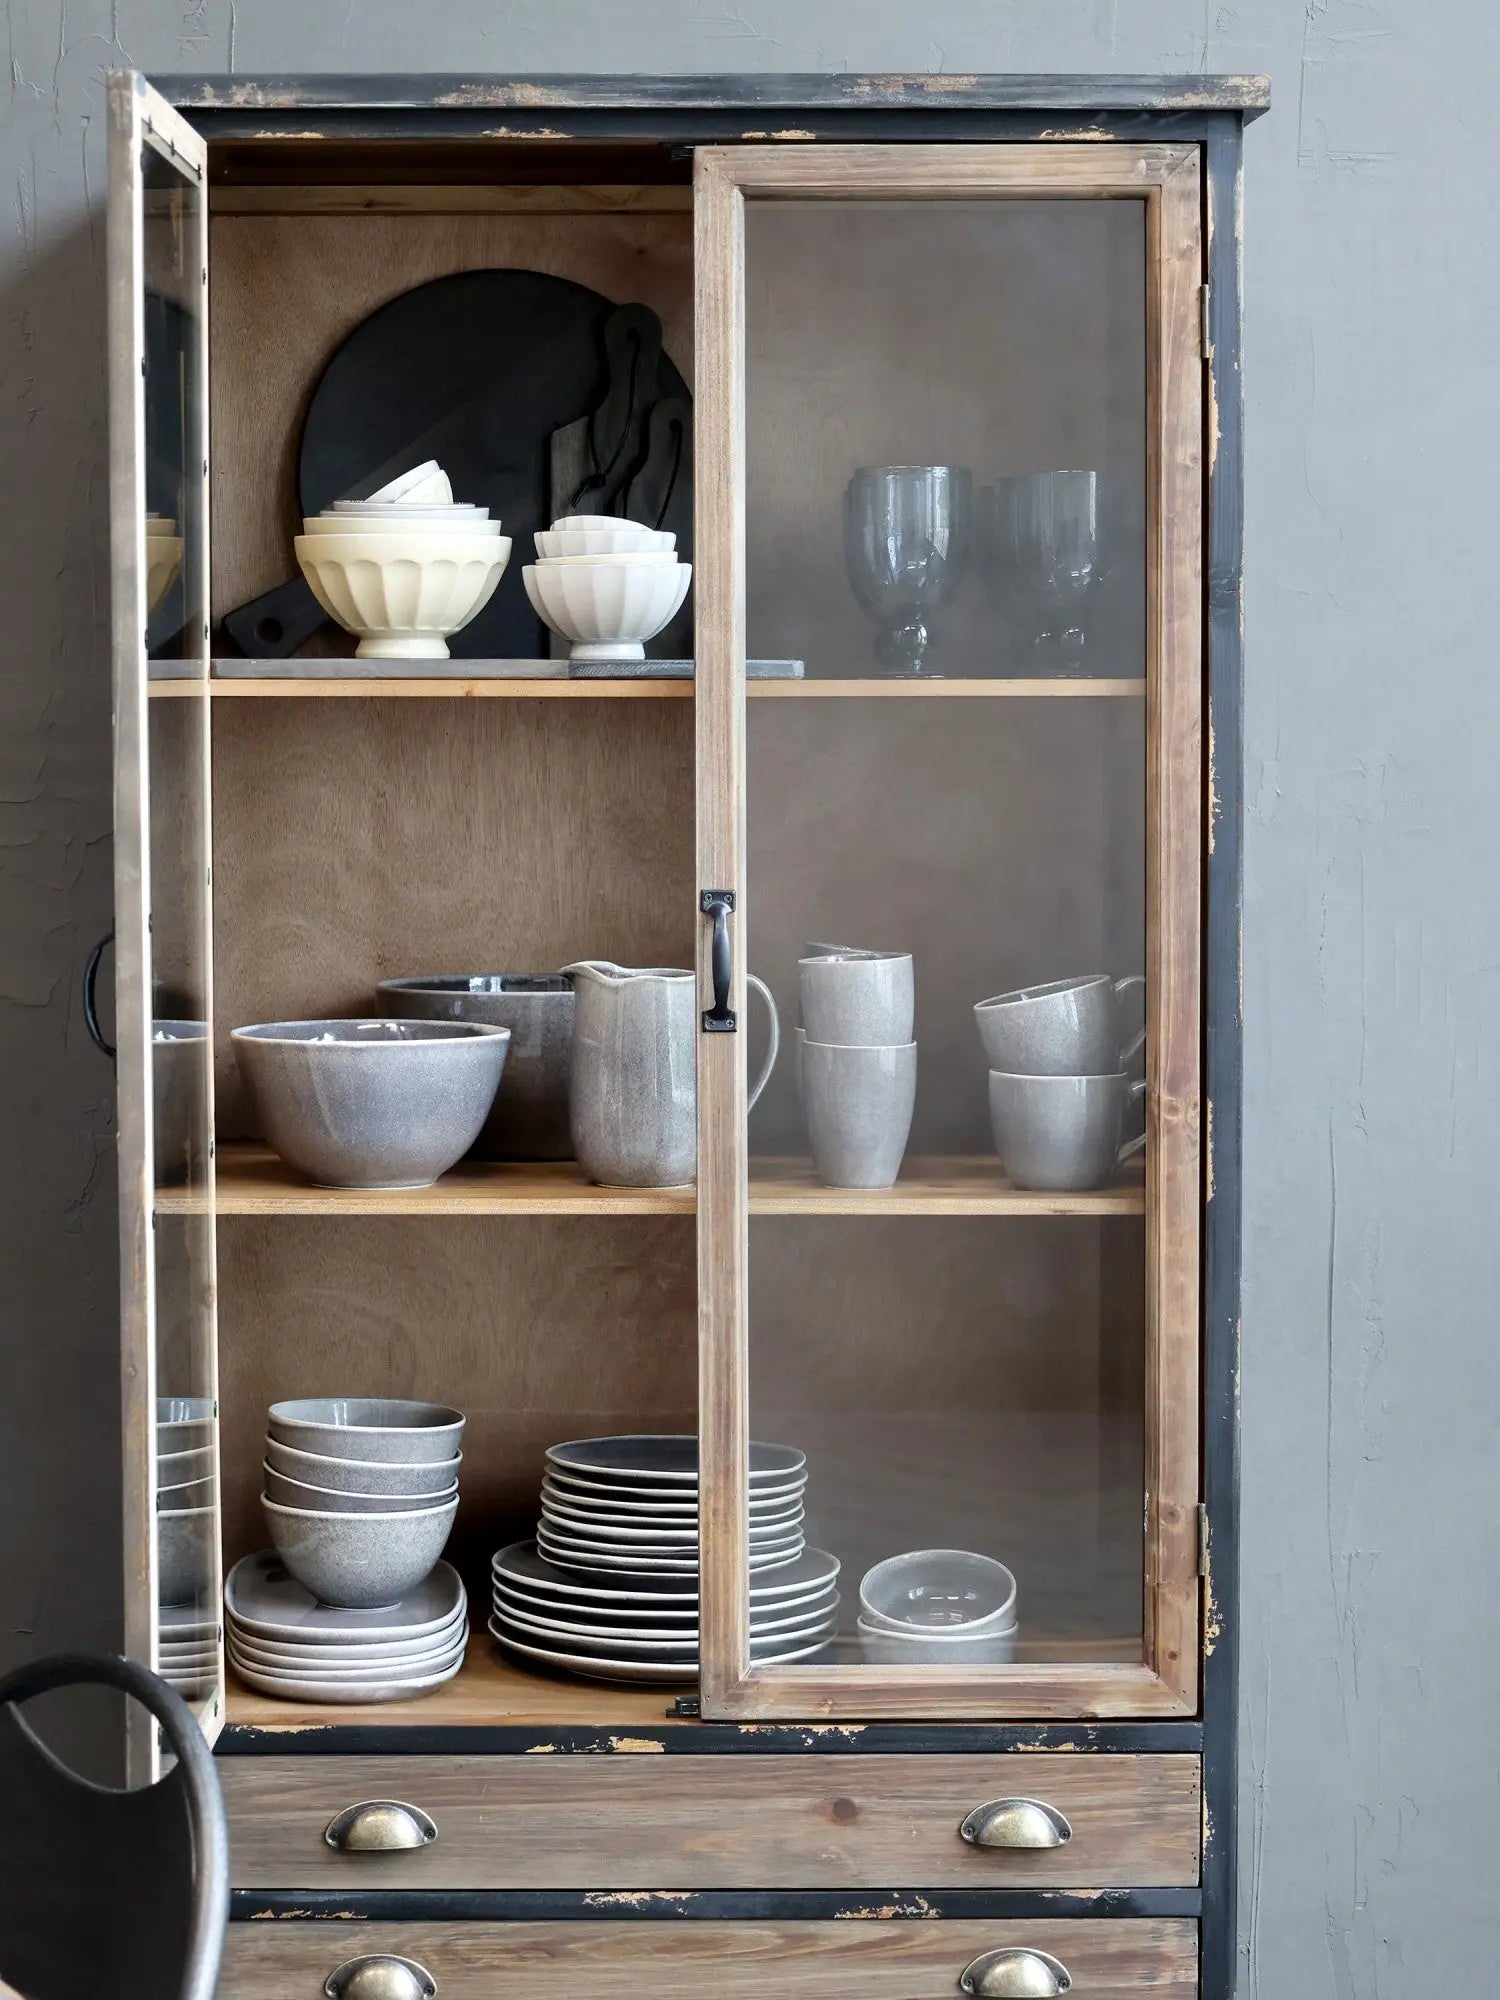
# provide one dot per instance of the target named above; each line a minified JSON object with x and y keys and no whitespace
{"x":477,"y":371}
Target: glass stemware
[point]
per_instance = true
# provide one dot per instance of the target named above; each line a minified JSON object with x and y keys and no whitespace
{"x":906,"y":539}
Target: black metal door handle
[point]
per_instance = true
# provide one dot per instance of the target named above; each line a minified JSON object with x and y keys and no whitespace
{"x":91,"y":997}
{"x":718,"y":903}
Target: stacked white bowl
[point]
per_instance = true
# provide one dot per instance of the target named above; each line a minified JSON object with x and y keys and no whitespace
{"x":939,"y":1606}
{"x":163,"y":559}
{"x":605,"y":585}
{"x":406,"y":568}
{"x":360,"y":1495}
{"x":187,"y":1619}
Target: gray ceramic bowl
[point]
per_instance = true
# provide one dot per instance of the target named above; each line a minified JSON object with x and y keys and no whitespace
{"x":184,"y":1555}
{"x":529,"y":1118}
{"x":368,"y":1427}
{"x":371,"y":1104}
{"x":318,"y":1499}
{"x":189,"y":1462}
{"x":181,"y":1498}
{"x":360,"y":1475}
{"x":359,"y":1560}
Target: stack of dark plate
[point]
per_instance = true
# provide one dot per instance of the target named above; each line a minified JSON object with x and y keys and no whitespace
{"x":609,"y":1589}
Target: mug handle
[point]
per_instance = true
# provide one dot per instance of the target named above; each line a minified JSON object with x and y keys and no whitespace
{"x":770,"y":1063}
{"x":1123,"y":986}
{"x":1133,"y":1146}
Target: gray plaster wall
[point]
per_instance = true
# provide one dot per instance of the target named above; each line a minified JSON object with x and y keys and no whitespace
{"x":1372,"y":964}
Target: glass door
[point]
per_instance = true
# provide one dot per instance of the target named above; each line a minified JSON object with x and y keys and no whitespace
{"x":949,"y":1253}
{"x":158,"y":300}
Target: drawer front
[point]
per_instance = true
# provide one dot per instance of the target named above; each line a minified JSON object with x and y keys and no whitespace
{"x":651,"y":1822}
{"x":898,"y":1960}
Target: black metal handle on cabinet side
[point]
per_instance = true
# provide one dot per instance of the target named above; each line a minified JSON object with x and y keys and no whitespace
{"x":91,"y":996}
{"x":718,"y":903}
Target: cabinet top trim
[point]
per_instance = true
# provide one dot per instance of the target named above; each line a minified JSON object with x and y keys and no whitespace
{"x":1249,"y":95}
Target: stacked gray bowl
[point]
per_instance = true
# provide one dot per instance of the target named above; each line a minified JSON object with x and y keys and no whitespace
{"x":609,"y":1589}
{"x":360,"y":1496}
{"x":187,"y":1621}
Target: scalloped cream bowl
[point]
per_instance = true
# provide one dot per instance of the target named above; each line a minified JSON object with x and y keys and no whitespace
{"x":405,"y":593}
{"x":606,"y":609}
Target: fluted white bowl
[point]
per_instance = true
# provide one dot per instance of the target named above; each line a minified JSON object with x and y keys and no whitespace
{"x":403,"y":594}
{"x":163,"y":561}
{"x":624,"y":539}
{"x":663,"y":558}
{"x":383,"y":524}
{"x":606,"y":609}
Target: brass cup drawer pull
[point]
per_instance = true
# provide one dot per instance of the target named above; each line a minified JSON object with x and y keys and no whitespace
{"x":1015,"y":1975}
{"x":380,"y":1826}
{"x":381,"y":1978}
{"x":1016,"y":1823}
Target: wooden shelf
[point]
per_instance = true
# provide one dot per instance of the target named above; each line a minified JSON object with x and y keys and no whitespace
{"x":1124,"y":689}
{"x":278,"y":689}
{"x":489,"y":1689}
{"x":952,"y":1185}
{"x":492,"y":1690}
{"x":252,"y":1180}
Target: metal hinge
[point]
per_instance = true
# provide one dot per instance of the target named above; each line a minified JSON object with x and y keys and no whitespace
{"x":685,"y":1708}
{"x":1202,"y":1539}
{"x":1205,"y":343}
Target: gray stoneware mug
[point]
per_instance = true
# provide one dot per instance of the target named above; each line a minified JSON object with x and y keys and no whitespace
{"x":529,"y":1118}
{"x":856,"y":999}
{"x":1062,"y":1133}
{"x":633,"y":1092}
{"x":1070,"y":1027}
{"x":858,"y":1102}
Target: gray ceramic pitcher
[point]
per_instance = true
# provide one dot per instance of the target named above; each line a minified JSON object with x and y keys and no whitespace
{"x":633,"y":1090}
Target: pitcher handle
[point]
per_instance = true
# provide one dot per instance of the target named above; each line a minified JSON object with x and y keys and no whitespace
{"x":771,"y":1054}
{"x":1137,"y":1144}
{"x":1122,"y":986}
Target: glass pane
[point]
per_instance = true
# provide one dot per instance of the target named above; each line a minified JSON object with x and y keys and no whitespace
{"x":946,"y":483}
{"x":187,"y":1428}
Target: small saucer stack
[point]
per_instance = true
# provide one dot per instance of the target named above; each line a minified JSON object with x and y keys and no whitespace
{"x":606,"y":585}
{"x":406,"y":568}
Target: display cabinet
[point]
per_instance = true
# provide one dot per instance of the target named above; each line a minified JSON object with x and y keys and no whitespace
{"x":944,"y":409}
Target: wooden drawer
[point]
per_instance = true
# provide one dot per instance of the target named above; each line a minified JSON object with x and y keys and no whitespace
{"x":675,"y":1822}
{"x":1105,"y":1958}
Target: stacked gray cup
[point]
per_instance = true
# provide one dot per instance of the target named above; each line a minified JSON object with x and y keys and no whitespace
{"x":1060,"y":1057}
{"x":856,"y":1062}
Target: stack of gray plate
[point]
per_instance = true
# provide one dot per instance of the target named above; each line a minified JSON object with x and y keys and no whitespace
{"x":187,"y":1649}
{"x":631,"y":1504}
{"x":610,"y":1625}
{"x":609,"y":1589}
{"x":282,"y":1641}
{"x":187,"y":1619}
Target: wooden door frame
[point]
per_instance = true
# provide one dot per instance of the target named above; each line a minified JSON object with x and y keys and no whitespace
{"x":138,"y":117}
{"x":1167,"y":179}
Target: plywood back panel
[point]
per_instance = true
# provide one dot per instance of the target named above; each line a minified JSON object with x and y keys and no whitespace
{"x":536,"y":1330}
{"x":357,"y":841}
{"x":268,"y":353}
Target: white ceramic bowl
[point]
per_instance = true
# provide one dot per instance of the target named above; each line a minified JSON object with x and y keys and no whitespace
{"x":426,"y":481}
{"x":890,"y":1649}
{"x":163,"y":561}
{"x":623,"y":539}
{"x":931,"y":1591}
{"x":605,"y":609}
{"x":382,"y":524}
{"x":570,"y":522}
{"x":403,"y":594}
{"x":661,"y":557}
